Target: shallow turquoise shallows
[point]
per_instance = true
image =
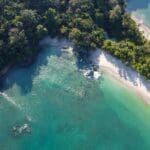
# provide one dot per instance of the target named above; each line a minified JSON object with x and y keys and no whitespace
{"x":66,"y":111}
{"x":141,"y":9}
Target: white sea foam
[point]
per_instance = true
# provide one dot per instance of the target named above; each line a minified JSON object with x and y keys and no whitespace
{"x":29,"y":118}
{"x":56,"y":42}
{"x":114,"y":67}
{"x":9,"y":99}
{"x":90,"y":74}
{"x":124,"y":74}
{"x":142,"y":26}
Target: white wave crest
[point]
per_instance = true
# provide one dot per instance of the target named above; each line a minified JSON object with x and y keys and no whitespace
{"x":9,"y":99}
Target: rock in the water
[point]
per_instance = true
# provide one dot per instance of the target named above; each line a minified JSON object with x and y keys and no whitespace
{"x":95,"y":67}
{"x":65,"y":47}
{"x":91,"y":74}
{"x":19,"y":130}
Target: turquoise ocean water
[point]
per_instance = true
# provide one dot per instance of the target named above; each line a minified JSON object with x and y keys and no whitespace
{"x":66,"y":111}
{"x":141,"y":9}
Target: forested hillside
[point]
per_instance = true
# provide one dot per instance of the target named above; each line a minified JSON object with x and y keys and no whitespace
{"x":88,"y":23}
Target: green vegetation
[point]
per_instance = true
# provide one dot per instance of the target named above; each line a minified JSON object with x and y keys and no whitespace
{"x":23,"y":23}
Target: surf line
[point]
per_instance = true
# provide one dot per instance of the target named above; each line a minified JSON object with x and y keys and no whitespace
{"x":10,"y":100}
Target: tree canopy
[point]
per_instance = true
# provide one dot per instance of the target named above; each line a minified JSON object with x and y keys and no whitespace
{"x":88,"y":23}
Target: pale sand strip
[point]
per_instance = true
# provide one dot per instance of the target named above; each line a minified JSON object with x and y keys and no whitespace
{"x":124,"y":74}
{"x":114,"y":67}
{"x":142,"y":27}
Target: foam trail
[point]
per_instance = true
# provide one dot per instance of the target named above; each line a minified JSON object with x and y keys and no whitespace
{"x":9,"y":99}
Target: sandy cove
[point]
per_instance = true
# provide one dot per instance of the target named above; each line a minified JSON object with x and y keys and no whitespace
{"x":122,"y":73}
{"x":127,"y":76}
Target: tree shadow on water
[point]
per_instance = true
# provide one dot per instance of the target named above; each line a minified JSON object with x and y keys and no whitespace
{"x":23,"y":76}
{"x":83,"y":61}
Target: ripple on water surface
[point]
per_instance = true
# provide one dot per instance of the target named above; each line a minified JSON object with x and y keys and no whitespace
{"x":67,"y":111}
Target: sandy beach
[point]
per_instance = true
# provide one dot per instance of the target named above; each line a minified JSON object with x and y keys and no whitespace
{"x":142,"y":27}
{"x":122,"y":73}
{"x":127,"y":76}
